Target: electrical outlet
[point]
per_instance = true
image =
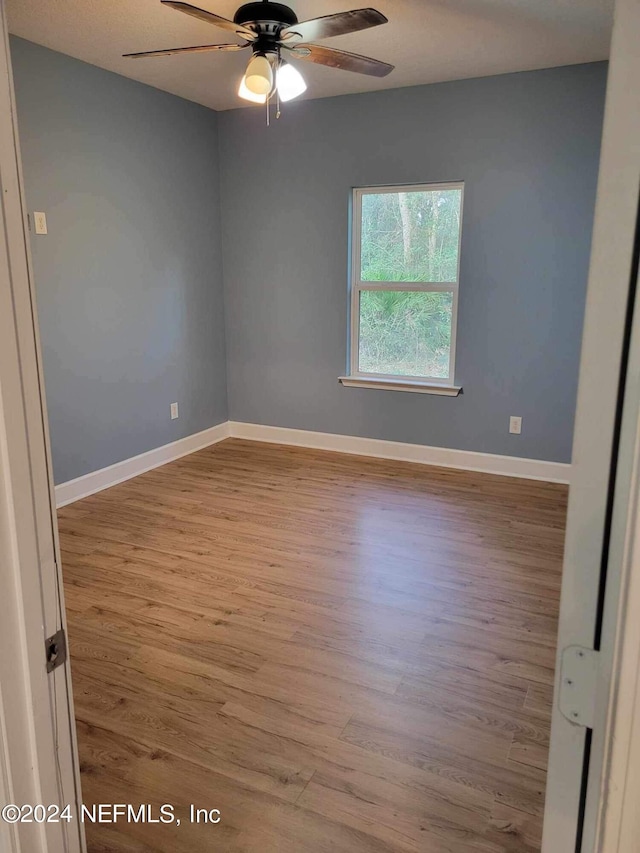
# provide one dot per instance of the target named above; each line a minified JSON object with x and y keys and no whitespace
{"x":174,"y":411}
{"x":515,"y":425}
{"x":39,"y":222}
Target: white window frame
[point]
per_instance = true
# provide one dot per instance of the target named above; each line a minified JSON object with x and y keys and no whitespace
{"x":423,"y":384}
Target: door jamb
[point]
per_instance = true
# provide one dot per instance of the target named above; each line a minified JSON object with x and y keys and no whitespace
{"x":598,"y":391}
{"x":38,"y":754}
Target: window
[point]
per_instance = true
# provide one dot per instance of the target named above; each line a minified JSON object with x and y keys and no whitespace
{"x":404,"y":286}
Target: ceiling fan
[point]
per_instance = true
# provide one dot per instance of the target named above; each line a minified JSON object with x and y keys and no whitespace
{"x":273,"y":31}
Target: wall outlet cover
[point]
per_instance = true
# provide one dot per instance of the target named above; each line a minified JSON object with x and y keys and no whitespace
{"x":515,"y":425}
{"x":39,"y":222}
{"x":174,"y":411}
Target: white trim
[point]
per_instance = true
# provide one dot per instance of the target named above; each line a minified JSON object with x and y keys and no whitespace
{"x":614,"y":780}
{"x":467,"y":460}
{"x":409,"y":286}
{"x":9,"y":840}
{"x":356,"y":285}
{"x":587,"y":549}
{"x":96,"y":481}
{"x":388,"y":383}
{"x":443,"y":457}
{"x":38,"y":759}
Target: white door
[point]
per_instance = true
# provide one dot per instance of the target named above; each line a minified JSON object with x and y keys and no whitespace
{"x":604,"y":471}
{"x":38,"y":763}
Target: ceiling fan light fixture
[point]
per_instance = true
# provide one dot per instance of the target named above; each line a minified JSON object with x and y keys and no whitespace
{"x":259,"y":76}
{"x":269,"y":27}
{"x":243,"y":92}
{"x":289,"y":82}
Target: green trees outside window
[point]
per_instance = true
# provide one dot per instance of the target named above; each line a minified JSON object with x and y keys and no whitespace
{"x":409,"y":241}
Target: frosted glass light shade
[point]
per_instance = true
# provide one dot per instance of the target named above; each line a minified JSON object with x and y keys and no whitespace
{"x":290,"y":82}
{"x":259,"y":76}
{"x":243,"y":92}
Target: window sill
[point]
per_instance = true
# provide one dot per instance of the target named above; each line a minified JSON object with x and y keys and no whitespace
{"x":416,"y":386}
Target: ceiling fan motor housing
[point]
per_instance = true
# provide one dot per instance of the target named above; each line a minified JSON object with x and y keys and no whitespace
{"x":265,"y":17}
{"x":268,"y":28}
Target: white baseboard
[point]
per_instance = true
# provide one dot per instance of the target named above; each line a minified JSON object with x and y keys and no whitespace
{"x":467,"y":460}
{"x":96,"y":481}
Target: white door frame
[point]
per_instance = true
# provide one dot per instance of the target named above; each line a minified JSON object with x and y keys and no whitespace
{"x":612,"y":818}
{"x":38,"y":756}
{"x":598,"y":428}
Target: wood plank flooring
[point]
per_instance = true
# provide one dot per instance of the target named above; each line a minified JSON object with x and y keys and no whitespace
{"x":342,"y":655}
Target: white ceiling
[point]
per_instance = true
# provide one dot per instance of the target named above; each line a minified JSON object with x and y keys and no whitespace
{"x":427,"y":40}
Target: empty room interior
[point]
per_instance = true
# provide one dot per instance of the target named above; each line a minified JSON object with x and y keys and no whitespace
{"x":310,"y":297}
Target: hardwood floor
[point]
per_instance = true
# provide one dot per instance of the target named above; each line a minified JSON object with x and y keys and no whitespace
{"x":340,"y":654}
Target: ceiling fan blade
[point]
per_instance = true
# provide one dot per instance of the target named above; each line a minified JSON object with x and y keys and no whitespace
{"x":198,"y":49}
{"x":335,"y":25}
{"x":210,"y":18}
{"x":341,"y":59}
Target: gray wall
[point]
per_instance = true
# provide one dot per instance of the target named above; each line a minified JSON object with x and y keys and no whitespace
{"x":129,"y":280}
{"x":527,"y":147}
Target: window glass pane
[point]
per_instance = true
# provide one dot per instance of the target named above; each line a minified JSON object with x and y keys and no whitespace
{"x":410,"y":236}
{"x":405,"y":334}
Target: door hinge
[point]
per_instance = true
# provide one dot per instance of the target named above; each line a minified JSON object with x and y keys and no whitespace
{"x":55,"y":649}
{"x":579,"y":672}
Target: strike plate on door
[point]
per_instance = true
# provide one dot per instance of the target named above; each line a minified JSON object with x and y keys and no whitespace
{"x":55,"y":648}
